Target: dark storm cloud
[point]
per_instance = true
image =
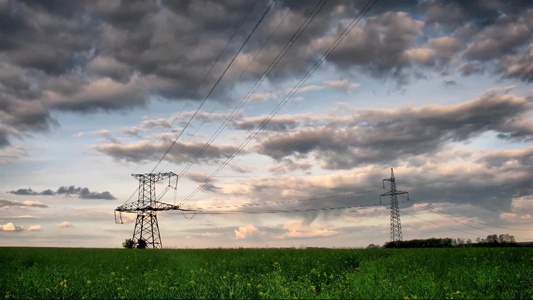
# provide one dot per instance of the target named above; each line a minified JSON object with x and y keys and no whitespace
{"x":450,"y":82}
{"x":24,"y":192}
{"x":82,"y":192}
{"x":280,"y":123}
{"x":378,"y":136}
{"x":93,"y":56}
{"x":501,"y":38}
{"x":450,"y":14}
{"x":380,"y":45}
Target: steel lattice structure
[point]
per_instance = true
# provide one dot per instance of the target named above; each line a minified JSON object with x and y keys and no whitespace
{"x":395,"y":223}
{"x":146,"y":208}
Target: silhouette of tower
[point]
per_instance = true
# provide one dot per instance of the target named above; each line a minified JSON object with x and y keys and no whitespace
{"x":395,"y":223}
{"x":146,"y":207}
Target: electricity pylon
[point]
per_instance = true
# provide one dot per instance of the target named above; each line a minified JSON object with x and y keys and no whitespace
{"x":395,"y":223}
{"x":146,"y":207}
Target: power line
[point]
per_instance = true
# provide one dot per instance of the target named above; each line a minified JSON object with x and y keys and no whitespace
{"x":199,"y":153}
{"x":215,"y":85}
{"x":260,"y":80}
{"x":339,"y":39}
{"x":284,"y":211}
{"x":212,"y":66}
{"x":292,"y":200}
{"x":464,"y":223}
{"x":206,"y":74}
{"x":481,"y":223}
{"x":403,"y":212}
{"x":168,"y":128}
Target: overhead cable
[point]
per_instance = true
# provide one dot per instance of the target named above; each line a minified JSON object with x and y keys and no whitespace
{"x":477,"y":235}
{"x":232,"y":115}
{"x":339,"y":39}
{"x":283,"y":211}
{"x":260,"y":80}
{"x":480,"y":223}
{"x":290,"y":201}
{"x":214,"y":86}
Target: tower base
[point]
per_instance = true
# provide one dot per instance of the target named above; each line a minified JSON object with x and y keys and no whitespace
{"x":147,"y":229}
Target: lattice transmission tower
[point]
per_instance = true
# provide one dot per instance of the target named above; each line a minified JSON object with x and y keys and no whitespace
{"x":395,"y":223}
{"x":146,"y":207}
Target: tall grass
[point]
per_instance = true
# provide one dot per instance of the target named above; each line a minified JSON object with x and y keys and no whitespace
{"x":267,"y":273}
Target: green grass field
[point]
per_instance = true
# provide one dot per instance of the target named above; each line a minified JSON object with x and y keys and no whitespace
{"x":452,"y":273}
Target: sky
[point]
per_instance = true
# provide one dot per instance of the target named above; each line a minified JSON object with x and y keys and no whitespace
{"x":287,"y":113}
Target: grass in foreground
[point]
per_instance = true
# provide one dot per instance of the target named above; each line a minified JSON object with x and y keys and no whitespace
{"x":267,"y":273}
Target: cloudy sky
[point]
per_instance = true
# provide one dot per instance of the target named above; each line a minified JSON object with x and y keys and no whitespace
{"x":93,"y":91}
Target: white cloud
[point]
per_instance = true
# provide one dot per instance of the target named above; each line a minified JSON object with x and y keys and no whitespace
{"x":246,"y":232}
{"x":310,"y":88}
{"x":263,"y":96}
{"x":34,"y":228}
{"x":420,"y":55}
{"x":297,"y":229}
{"x":342,"y":84}
{"x":10,"y":227}
{"x":21,"y":217}
{"x":65,"y":224}
{"x":34,"y":203}
{"x":289,"y":229}
{"x":212,"y":234}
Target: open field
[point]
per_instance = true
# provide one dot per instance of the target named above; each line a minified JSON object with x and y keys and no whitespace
{"x":267,"y":273}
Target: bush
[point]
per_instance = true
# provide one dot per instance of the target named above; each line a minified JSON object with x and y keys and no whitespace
{"x":141,"y":244}
{"x":128,"y":244}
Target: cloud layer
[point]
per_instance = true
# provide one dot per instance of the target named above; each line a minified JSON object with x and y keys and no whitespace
{"x":385,"y":136}
{"x":83,"y":193}
{"x":117,"y":57}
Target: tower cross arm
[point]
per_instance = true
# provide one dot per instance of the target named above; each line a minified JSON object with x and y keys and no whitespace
{"x":394,"y":193}
{"x":157,"y":206}
{"x":154,"y":177}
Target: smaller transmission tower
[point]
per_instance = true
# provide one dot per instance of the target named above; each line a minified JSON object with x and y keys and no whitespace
{"x":146,"y":208}
{"x":395,"y":223}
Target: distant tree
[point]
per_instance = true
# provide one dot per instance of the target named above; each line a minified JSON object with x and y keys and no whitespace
{"x":372,"y":246}
{"x":128,"y":244}
{"x":458,"y":242}
{"x":506,"y":238}
{"x":141,"y":244}
{"x":492,"y":239}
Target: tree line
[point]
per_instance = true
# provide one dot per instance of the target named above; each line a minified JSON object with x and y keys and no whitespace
{"x":493,"y":240}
